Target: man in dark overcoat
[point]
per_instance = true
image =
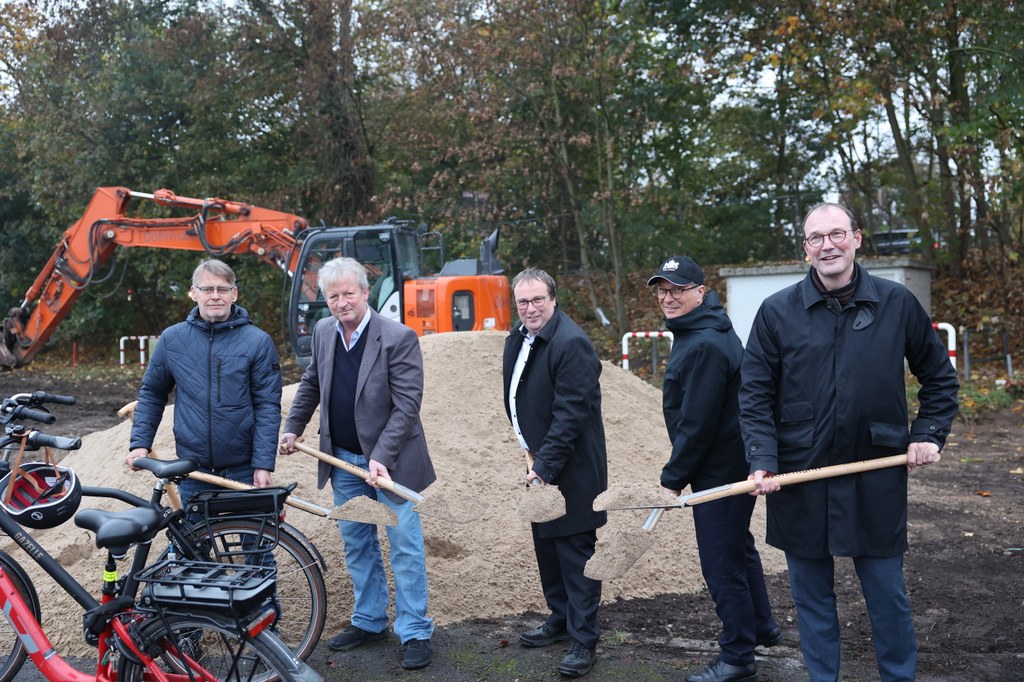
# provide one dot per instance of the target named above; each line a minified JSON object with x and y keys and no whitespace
{"x":822,"y":384}
{"x":553,"y":399}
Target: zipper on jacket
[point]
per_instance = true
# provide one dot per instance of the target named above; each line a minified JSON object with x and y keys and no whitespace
{"x":209,"y":401}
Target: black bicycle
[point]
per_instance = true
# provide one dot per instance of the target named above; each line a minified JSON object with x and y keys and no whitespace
{"x":177,"y":619}
{"x":237,"y":527}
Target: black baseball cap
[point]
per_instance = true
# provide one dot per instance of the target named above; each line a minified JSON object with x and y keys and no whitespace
{"x":680,"y":271}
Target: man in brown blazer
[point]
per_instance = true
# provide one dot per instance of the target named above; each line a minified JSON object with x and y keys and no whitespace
{"x":366,"y":375}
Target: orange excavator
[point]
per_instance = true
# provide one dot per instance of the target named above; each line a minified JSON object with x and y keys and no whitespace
{"x":469,"y":294}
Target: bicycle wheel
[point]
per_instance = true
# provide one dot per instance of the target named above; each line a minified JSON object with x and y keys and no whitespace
{"x":301,"y":592}
{"x":12,"y":649}
{"x":179,"y":643}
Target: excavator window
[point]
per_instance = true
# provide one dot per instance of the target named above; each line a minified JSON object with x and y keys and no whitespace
{"x":463,"y":316}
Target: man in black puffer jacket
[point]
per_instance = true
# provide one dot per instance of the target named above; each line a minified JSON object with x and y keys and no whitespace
{"x":226,"y":375}
{"x":701,"y":406}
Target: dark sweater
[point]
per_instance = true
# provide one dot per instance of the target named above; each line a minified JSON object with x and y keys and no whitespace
{"x":343,"y":396}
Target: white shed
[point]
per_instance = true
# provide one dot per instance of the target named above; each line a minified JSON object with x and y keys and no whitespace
{"x":746,"y":288}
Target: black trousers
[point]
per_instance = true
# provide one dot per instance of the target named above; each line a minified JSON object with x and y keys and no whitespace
{"x":572,"y":597}
{"x":732,"y":570}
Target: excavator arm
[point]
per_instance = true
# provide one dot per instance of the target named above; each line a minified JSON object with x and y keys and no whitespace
{"x":217,"y":227}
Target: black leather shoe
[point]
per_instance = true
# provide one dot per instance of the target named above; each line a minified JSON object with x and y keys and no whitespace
{"x":351,"y":637}
{"x":543,"y":636}
{"x":418,"y":654}
{"x":770,"y":638}
{"x":578,"y":662}
{"x":719,"y":671}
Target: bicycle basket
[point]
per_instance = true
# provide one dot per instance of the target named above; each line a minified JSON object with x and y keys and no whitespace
{"x":40,"y":495}
{"x":173,"y":584}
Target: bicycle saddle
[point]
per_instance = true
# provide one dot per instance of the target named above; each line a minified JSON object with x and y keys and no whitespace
{"x":166,"y":468}
{"x":117,"y":531}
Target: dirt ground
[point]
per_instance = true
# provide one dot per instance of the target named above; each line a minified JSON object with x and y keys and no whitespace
{"x":963,"y":570}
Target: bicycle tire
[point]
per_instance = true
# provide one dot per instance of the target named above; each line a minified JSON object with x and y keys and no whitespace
{"x":301,"y":590}
{"x":12,"y":650}
{"x":214,"y":641}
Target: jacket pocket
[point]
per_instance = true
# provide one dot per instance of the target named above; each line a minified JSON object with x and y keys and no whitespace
{"x":231,"y":381}
{"x":796,"y":425}
{"x":892,"y":436}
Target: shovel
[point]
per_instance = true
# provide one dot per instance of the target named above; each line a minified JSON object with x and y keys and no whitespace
{"x":616,"y":554}
{"x":541,"y":502}
{"x":171,"y":490}
{"x":384,"y":517}
{"x":439,"y":507}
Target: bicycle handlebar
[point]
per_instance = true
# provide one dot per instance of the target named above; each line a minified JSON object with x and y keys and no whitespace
{"x":37,"y":439}
{"x":30,"y":406}
{"x":40,"y":397}
{"x":26,"y":412}
{"x":40,"y":439}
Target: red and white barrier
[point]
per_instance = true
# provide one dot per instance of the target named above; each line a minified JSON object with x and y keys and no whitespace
{"x":641,"y":335}
{"x":143,"y":341}
{"x":950,"y":339}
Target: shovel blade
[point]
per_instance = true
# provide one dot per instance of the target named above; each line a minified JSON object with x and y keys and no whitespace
{"x":542,"y":503}
{"x":438,"y":506}
{"x":362,"y":509}
{"x":616,"y":552}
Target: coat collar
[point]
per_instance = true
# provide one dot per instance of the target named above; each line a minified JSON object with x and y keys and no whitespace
{"x":866,"y":291}
{"x":546,"y":332}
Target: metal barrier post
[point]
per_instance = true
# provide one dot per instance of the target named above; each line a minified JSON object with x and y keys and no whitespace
{"x":641,"y":335}
{"x":1005,"y":357}
{"x":144,"y":342}
{"x":950,"y":339}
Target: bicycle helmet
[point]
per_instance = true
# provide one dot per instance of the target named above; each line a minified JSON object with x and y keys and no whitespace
{"x":42,"y":495}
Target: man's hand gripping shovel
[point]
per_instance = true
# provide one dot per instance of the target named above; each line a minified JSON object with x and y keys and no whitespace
{"x":464,"y":511}
{"x":128,"y":411}
{"x":614,"y":555}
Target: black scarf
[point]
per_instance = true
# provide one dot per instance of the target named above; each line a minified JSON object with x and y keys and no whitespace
{"x":843,"y":294}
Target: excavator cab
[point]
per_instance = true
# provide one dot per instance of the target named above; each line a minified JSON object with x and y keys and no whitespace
{"x":377,"y":247}
{"x":469,"y":294}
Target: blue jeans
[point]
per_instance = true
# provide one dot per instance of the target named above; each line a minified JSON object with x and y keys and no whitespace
{"x":366,"y":565}
{"x":885,"y":593}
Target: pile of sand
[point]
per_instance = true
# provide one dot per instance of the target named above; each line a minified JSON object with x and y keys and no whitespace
{"x":484,"y":568}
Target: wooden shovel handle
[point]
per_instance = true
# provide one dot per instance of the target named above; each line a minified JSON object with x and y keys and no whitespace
{"x":792,"y":477}
{"x":235,"y":485}
{"x":396,"y":488}
{"x":170,"y":490}
{"x":537,"y":482}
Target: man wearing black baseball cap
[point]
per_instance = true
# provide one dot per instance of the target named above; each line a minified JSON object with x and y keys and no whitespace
{"x":701,"y":408}
{"x":680,"y":271}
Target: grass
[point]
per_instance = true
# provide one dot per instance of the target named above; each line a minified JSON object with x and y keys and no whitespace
{"x":980,"y":396}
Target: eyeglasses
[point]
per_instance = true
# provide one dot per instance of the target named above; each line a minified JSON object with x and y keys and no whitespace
{"x":537,"y":301}
{"x":223,"y":291}
{"x":674,"y":292}
{"x":835,"y":236}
